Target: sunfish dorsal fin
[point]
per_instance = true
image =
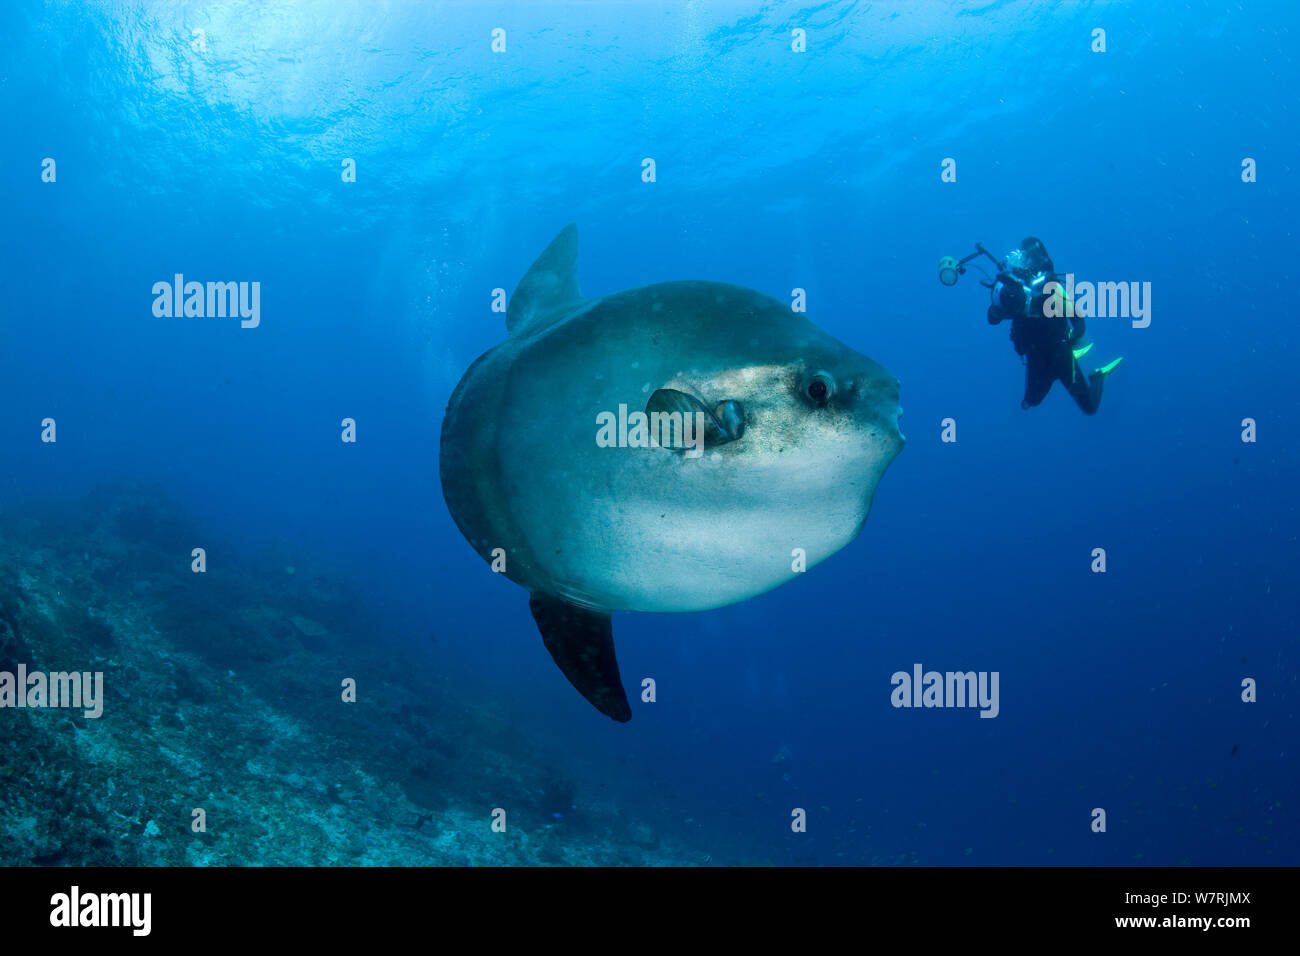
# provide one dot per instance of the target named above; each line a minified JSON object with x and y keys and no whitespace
{"x":550,"y":285}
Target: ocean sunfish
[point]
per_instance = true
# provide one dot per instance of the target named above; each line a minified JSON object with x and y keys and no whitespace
{"x":677,"y":447}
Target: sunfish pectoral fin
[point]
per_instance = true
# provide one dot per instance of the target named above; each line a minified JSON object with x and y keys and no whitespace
{"x":725,"y":424}
{"x":731,"y":416}
{"x":581,"y":642}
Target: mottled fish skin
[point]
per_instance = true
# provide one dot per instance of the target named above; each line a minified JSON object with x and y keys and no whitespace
{"x":652,"y":529}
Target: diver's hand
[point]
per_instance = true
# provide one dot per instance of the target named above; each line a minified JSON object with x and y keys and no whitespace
{"x":994,"y":315}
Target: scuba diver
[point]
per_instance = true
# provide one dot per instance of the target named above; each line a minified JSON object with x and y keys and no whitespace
{"x":1046,"y":330}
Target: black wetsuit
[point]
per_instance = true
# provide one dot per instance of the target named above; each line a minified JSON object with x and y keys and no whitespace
{"x":1047,"y":344}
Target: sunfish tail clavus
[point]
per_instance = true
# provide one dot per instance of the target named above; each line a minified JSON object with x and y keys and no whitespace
{"x":676,"y":447}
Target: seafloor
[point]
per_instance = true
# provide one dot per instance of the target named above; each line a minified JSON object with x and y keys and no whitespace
{"x":222,"y":692}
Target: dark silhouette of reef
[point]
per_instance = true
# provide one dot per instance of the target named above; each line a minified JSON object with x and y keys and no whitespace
{"x":222,"y":691}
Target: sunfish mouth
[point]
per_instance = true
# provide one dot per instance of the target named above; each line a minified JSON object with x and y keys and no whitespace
{"x":878,"y":396}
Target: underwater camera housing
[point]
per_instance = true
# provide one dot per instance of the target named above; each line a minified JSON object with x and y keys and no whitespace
{"x":1008,"y":294}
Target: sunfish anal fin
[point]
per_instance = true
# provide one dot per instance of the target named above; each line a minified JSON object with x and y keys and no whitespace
{"x":725,"y":424}
{"x":581,"y":642}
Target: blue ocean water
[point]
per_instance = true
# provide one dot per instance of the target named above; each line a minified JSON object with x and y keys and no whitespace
{"x":219,"y":154}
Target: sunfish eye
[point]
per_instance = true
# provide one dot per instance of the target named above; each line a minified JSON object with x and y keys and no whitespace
{"x":820,"y":388}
